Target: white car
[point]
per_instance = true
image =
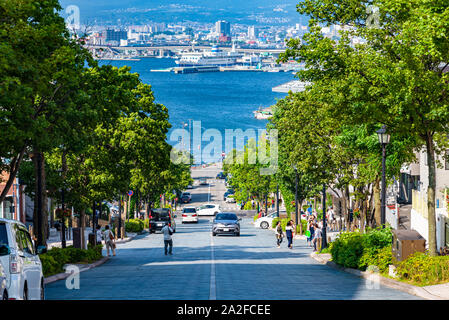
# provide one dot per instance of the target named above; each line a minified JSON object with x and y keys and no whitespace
{"x":22,"y":266}
{"x":3,"y":291}
{"x":230,"y":199}
{"x":208,"y":209}
{"x":266,"y":222}
{"x":189,"y":214}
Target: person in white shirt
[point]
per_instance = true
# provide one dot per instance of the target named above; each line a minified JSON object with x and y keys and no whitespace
{"x":331,"y":219}
{"x":168,"y":241}
{"x":108,"y":240}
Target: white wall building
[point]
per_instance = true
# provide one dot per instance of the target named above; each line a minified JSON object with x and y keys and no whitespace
{"x":419,"y":212}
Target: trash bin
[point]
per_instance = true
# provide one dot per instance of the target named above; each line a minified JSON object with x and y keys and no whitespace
{"x":92,"y":239}
{"x":76,"y":232}
{"x":407,"y":242}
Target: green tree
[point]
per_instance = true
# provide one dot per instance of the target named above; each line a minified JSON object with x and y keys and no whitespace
{"x":395,"y":76}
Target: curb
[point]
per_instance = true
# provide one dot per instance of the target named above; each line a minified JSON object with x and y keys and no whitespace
{"x":64,"y":275}
{"x":394,"y":284}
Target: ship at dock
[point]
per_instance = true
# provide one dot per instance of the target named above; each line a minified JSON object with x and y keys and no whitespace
{"x":214,"y":58}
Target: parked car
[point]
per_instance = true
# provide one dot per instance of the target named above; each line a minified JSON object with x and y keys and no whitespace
{"x":226,"y":223}
{"x":203,"y":181}
{"x":230,"y":199}
{"x":3,"y":291}
{"x":189,"y":214}
{"x":159,"y":217}
{"x":266,"y":222}
{"x":228,"y":192}
{"x":189,"y":186}
{"x":221,"y":175}
{"x":22,"y":266}
{"x":186,"y":197}
{"x":209,"y":209}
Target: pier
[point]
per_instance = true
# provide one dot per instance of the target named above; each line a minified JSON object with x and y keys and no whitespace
{"x":293,"y":86}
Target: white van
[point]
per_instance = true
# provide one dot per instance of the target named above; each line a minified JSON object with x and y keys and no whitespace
{"x":22,"y":266}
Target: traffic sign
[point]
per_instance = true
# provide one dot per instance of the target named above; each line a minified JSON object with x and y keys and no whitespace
{"x":130,"y":193}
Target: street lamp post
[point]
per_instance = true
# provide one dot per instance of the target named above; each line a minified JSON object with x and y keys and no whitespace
{"x":63,"y":242}
{"x":384,"y":139}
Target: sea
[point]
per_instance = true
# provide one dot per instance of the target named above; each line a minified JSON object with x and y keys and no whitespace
{"x":213,"y":100}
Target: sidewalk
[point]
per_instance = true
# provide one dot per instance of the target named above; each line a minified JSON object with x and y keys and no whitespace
{"x":435,"y":292}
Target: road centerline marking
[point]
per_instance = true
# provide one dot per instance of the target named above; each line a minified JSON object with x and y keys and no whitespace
{"x":212,"y":288}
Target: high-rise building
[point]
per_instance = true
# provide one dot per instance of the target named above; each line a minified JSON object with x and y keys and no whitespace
{"x":116,"y":35}
{"x":253,"y":33}
{"x":223,"y":28}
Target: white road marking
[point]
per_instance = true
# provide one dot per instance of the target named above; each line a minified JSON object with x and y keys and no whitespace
{"x":212,"y":289}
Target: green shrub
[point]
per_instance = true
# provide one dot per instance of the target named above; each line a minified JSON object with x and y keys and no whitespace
{"x":357,"y":250}
{"x":377,"y":238}
{"x":134,"y":225}
{"x":49,"y":265}
{"x":248,"y":206}
{"x":54,"y":260}
{"x":422,"y":269}
{"x":381,"y":258}
{"x":347,"y":249}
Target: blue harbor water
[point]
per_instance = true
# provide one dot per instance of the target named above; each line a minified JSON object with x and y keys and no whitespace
{"x":220,"y":100}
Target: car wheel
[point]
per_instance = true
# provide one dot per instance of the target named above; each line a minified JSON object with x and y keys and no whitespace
{"x":237,"y":234}
{"x":214,"y":234}
{"x":25,"y":292}
{"x":42,"y":290}
{"x":5,"y":295}
{"x":264,"y":225}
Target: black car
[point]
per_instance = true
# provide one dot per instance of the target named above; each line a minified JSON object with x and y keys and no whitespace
{"x":159,"y":217}
{"x":226,"y":223}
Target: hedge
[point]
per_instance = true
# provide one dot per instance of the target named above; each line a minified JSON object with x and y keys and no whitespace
{"x":134,"y":225}
{"x":360,"y":250}
{"x":53,"y":260}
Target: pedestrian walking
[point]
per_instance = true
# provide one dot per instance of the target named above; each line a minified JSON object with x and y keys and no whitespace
{"x":289,"y":233}
{"x":279,"y":233}
{"x":331,"y":219}
{"x":109,"y":240}
{"x":168,"y":241}
{"x":317,"y":238}
{"x":311,"y":231}
{"x":98,"y":234}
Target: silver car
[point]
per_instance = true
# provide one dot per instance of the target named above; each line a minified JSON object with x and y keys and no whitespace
{"x":226,"y":223}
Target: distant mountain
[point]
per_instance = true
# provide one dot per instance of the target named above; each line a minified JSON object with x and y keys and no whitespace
{"x":257,"y":12}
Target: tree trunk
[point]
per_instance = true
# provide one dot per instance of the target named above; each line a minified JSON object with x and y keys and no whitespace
{"x":431,"y":195}
{"x":377,"y":203}
{"x":82,"y":226}
{"x":40,"y":212}
{"x":347,"y":207}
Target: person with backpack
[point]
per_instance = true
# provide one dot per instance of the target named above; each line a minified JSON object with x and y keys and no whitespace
{"x":168,"y":241}
{"x":279,"y":233}
{"x":109,"y":240}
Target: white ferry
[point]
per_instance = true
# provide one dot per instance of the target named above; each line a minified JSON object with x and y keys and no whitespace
{"x":214,"y":57}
